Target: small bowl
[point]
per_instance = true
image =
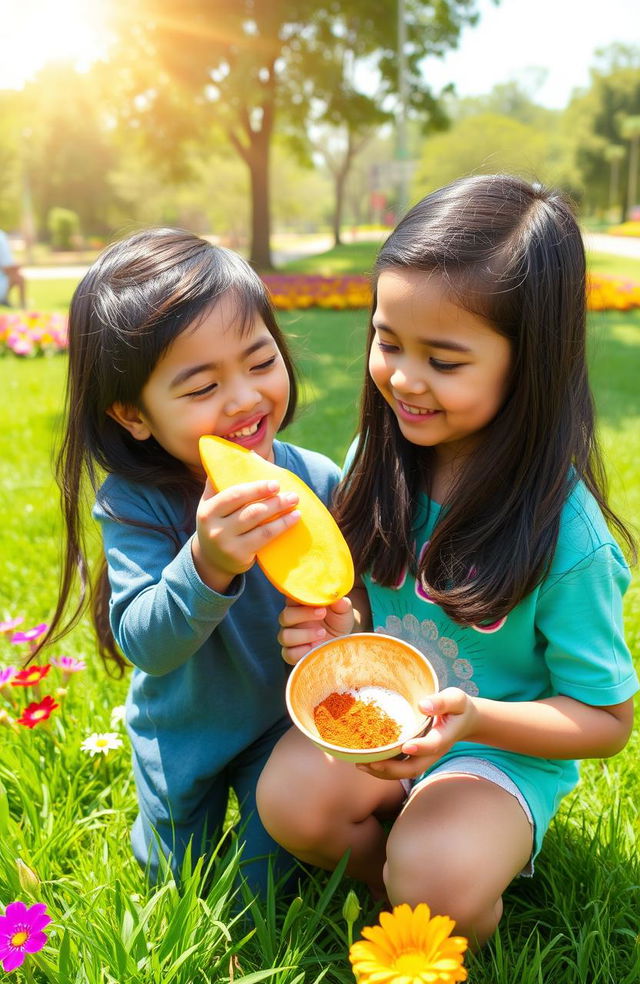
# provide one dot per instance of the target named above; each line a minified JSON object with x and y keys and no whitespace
{"x":351,"y":663}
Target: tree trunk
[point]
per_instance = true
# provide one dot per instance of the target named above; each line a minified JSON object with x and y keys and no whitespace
{"x":260,"y":255}
{"x":340,"y":178}
{"x":632,"y":187}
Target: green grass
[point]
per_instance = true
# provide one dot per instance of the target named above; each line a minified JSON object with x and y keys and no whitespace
{"x":615,"y":266}
{"x":50,"y":294}
{"x":67,"y":816}
{"x":348,"y":258}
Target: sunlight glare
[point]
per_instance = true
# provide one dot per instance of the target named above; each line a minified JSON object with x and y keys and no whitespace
{"x":36,"y":32}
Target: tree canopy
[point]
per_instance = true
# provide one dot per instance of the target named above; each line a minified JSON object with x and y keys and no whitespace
{"x":243,"y":63}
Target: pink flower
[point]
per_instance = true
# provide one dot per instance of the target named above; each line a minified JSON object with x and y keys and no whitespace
{"x":35,"y":713}
{"x":10,"y":623}
{"x":30,"y":634}
{"x":21,"y":932}
{"x":68,"y":664}
{"x":6,"y":673}
{"x":30,"y":676}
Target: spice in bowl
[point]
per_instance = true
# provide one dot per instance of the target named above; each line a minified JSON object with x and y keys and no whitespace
{"x":357,"y":697}
{"x":367,"y":717}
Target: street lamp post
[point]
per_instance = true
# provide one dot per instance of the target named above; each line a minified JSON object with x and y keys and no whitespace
{"x":401,"y":118}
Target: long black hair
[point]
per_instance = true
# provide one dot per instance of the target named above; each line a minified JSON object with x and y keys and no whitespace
{"x":140,"y":294}
{"x":512,"y":253}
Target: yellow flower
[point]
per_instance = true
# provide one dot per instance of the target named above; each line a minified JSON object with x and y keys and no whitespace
{"x":409,"y":947}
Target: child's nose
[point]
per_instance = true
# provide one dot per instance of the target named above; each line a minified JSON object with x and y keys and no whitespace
{"x":405,"y":380}
{"x":243,"y":397}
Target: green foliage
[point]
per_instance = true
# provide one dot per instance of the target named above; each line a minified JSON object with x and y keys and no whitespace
{"x":63,"y":225}
{"x":68,"y":147}
{"x":595,"y":118}
{"x":483,"y":144}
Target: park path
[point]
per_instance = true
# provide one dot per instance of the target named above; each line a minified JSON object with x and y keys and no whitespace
{"x":619,"y":245}
{"x":295,"y":248}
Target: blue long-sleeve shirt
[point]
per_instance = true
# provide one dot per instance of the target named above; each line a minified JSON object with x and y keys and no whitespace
{"x":208,"y":677}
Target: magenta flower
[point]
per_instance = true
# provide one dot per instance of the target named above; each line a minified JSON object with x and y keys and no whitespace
{"x":21,"y":932}
{"x":68,"y":664}
{"x":6,"y":674}
{"x":30,"y":634}
{"x":10,"y":623}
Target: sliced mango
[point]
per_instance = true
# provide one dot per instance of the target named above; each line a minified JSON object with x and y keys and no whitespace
{"x":310,"y":562}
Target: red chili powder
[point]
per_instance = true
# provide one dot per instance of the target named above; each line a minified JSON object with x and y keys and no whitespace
{"x":341,"y":719}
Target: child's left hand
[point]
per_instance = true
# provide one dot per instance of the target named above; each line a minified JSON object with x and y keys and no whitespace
{"x":454,"y":714}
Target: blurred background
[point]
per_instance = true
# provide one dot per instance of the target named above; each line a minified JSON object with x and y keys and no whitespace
{"x":283,"y":125}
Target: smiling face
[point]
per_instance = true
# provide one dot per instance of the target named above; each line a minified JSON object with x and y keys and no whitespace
{"x":442,"y":370}
{"x":213,"y":379}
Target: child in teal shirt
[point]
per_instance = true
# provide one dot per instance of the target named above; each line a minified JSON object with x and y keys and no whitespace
{"x":474,"y":507}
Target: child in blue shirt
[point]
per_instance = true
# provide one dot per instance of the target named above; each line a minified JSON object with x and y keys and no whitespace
{"x":474,"y":506}
{"x":171,"y":338}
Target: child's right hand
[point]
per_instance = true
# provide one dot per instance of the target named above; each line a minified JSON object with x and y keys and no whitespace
{"x":231,"y":527}
{"x":302,"y":628}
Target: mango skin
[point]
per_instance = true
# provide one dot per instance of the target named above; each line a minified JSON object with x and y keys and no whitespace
{"x":311,"y":562}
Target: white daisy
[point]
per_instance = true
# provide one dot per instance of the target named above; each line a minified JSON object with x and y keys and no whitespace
{"x":117,"y":715}
{"x":101,"y":743}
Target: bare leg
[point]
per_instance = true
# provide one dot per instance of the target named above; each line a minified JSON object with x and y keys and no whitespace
{"x":318,"y":807}
{"x":459,"y":841}
{"x":17,"y":280}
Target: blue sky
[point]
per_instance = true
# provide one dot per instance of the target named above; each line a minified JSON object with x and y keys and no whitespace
{"x":559,"y":36}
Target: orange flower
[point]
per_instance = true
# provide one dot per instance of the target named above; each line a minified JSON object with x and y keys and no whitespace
{"x":409,"y":947}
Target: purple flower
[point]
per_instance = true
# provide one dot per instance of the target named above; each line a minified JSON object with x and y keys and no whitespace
{"x":11,"y":623}
{"x":6,"y":674}
{"x":21,"y":932}
{"x":68,"y":664}
{"x":30,"y":634}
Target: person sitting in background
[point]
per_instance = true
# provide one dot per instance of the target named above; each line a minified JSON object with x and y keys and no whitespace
{"x":10,"y":275}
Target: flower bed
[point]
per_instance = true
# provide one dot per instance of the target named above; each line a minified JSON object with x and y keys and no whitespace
{"x":631,"y":228}
{"x":606,"y":293}
{"x":294,"y":291}
{"x":29,"y":333}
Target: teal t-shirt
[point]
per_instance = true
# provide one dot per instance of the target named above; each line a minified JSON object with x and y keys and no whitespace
{"x":566,"y":637}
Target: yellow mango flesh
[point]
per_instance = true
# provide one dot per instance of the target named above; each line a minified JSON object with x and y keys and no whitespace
{"x":310,"y":562}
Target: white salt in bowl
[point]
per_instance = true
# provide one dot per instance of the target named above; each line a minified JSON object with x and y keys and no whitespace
{"x":371,"y":667}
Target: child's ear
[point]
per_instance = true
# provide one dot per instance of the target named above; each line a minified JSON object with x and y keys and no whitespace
{"x":130,"y":418}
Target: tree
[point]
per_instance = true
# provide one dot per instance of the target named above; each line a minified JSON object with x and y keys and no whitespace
{"x":68,"y":147}
{"x":245,"y":63}
{"x":482,"y":144}
{"x":630,"y":130}
{"x":614,"y":154}
{"x":594,"y":119}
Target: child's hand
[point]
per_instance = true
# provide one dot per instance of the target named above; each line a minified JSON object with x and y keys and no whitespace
{"x":454,"y":714}
{"x":231,"y":527}
{"x":302,"y":628}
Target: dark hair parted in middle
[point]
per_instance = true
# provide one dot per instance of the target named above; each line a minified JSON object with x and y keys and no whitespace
{"x":512,"y":253}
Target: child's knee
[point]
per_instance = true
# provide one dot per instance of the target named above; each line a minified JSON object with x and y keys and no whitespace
{"x":445,"y":882}
{"x":291,"y":813}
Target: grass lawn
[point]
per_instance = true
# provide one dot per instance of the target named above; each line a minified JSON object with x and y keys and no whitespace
{"x":67,"y":816}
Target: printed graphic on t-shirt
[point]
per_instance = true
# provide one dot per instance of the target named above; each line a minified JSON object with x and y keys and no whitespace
{"x":443,"y":652}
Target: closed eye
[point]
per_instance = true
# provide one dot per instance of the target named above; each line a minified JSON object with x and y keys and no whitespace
{"x":264,"y":365}
{"x":444,"y":366}
{"x":386,"y":347}
{"x":202,"y":392}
